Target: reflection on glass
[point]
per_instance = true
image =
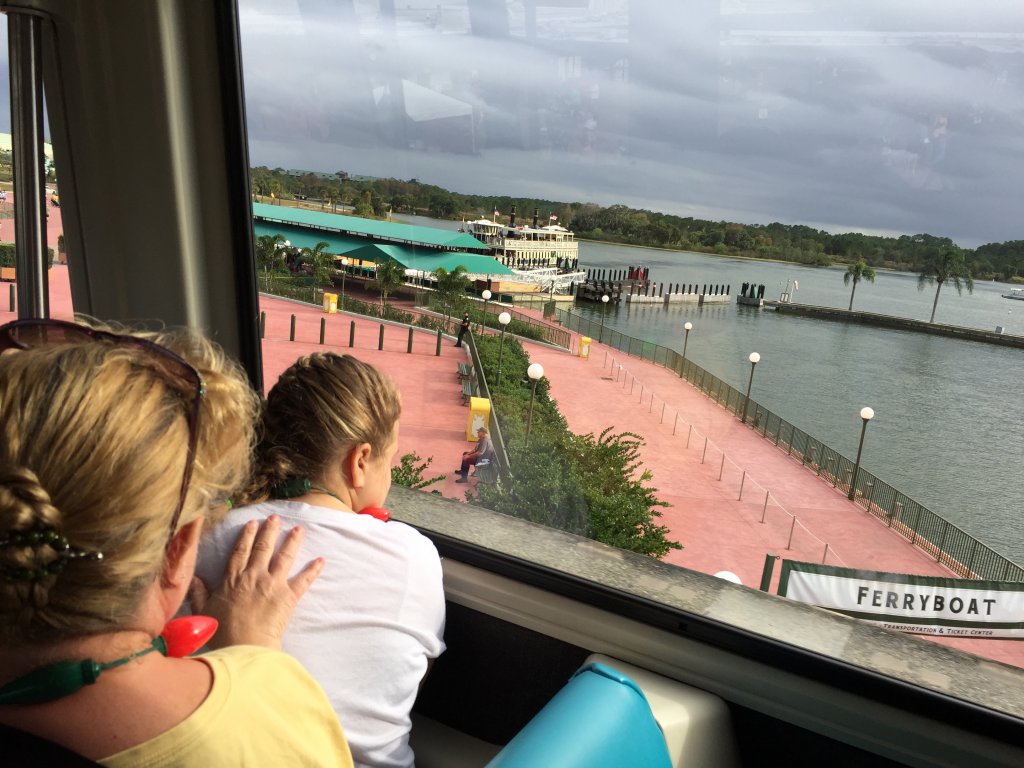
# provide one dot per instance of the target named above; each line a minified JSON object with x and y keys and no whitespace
{"x":874,"y":120}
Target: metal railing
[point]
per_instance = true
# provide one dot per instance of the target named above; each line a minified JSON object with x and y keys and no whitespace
{"x":500,"y":454}
{"x":487,"y":313}
{"x":946,"y":542}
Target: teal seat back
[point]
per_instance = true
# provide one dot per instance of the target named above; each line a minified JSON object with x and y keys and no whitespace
{"x":600,"y":719}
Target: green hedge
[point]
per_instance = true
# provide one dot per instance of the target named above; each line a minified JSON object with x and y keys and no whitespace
{"x":7,"y":258}
{"x":591,"y":485}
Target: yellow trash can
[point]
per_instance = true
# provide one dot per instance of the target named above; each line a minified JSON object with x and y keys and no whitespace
{"x":585,"y":346}
{"x":331,"y":303}
{"x":479,"y":416}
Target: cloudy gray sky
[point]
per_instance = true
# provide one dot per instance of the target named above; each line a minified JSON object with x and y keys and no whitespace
{"x":894,"y":116}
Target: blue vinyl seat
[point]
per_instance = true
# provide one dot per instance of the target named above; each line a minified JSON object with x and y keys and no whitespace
{"x":600,"y":719}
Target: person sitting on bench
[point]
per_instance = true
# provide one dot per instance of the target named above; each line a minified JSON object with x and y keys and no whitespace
{"x":484,"y":451}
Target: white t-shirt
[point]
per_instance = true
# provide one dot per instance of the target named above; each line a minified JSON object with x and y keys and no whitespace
{"x":368,"y":626}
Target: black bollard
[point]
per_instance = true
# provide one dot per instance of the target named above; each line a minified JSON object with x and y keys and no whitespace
{"x":380,"y":340}
{"x":323,"y":328}
{"x":437,"y":352}
{"x":292,"y":336}
{"x":352,"y":333}
{"x":409,"y":348}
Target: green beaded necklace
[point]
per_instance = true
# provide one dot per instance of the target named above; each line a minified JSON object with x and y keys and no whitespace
{"x":66,"y":677}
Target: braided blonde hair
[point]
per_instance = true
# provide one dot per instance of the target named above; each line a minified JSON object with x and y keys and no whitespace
{"x":93,"y":445}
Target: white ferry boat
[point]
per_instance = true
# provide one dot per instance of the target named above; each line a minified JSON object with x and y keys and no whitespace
{"x":527,"y":246}
{"x":547,"y":256}
{"x":1015,"y":293}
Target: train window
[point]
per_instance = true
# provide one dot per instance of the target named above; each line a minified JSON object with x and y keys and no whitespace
{"x":715,"y":147}
{"x":676,"y":158}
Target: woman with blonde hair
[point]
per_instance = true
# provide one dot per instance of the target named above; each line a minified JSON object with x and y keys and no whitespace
{"x":115,"y":450}
{"x":369,"y":628}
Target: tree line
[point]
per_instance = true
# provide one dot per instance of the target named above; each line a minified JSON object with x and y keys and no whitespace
{"x":620,"y":224}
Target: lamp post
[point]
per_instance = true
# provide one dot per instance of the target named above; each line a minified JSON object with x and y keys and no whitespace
{"x":486,"y":296}
{"x":754,"y":359}
{"x":686,"y":340}
{"x":344,"y":271}
{"x":503,"y":319}
{"x":535,"y":372}
{"x":604,"y":301}
{"x":867,"y":414}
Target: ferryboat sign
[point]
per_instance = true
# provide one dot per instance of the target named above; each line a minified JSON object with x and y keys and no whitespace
{"x":917,"y":604}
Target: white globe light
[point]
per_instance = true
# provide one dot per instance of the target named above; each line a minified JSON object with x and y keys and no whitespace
{"x":605,"y":298}
{"x":754,"y":358}
{"x":728,"y":576}
{"x":867,"y":413}
{"x":688,"y":326}
{"x":344,"y":262}
{"x":535,"y":371}
{"x":486,"y":295}
{"x":504,"y":318}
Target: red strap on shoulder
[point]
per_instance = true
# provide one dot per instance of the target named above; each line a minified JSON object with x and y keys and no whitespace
{"x":378,"y":512}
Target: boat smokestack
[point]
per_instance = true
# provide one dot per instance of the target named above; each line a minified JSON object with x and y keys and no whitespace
{"x":512,"y":217}
{"x":536,"y":217}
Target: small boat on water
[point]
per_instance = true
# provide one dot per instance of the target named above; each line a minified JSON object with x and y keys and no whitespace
{"x":1015,"y":293}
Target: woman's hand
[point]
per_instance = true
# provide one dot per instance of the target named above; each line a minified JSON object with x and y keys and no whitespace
{"x":256,"y":599}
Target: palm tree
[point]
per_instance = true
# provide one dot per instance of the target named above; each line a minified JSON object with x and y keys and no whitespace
{"x":320,"y":262}
{"x":270,"y":257}
{"x":947,"y":265}
{"x":856,"y":273}
{"x":390,"y":276}
{"x":268,"y":252}
{"x":451,"y":288}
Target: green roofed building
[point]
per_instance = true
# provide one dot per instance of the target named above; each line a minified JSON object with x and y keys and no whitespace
{"x":365,"y":241}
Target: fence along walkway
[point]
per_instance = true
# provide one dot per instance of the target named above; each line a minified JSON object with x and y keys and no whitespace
{"x":950,"y":545}
{"x":784,"y":533}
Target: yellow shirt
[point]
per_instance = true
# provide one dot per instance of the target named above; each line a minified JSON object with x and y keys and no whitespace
{"x":263,"y":710}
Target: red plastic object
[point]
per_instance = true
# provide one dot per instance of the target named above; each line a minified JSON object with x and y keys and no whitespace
{"x":378,"y":512}
{"x":186,"y":635}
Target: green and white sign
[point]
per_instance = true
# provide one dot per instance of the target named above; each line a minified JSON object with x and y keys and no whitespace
{"x":919,"y":604}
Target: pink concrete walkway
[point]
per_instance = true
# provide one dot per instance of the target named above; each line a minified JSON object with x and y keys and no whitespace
{"x":718,"y":529}
{"x":701,"y":457}
{"x":434,"y":420}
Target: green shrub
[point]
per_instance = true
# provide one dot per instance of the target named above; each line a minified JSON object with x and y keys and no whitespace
{"x":587,"y":485}
{"x":7,"y":257}
{"x":409,"y":474}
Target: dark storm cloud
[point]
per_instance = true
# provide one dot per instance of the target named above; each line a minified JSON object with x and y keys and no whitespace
{"x":903,"y":119}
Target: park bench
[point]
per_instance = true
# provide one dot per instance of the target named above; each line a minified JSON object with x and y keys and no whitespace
{"x":467,"y":391}
{"x":465,"y":371}
{"x":486,"y":471}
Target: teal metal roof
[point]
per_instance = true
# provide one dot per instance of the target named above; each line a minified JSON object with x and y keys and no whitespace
{"x":428,"y":261}
{"x":473,"y":262}
{"x":420,"y":257}
{"x":384,"y":230}
{"x":308,"y":238}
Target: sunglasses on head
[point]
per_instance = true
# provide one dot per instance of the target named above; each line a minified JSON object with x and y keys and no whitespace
{"x":30,"y":334}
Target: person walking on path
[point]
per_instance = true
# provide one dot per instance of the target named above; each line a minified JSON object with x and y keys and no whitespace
{"x":463,"y":328}
{"x":484,"y":451}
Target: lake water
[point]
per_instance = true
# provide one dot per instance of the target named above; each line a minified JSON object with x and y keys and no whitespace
{"x":948,"y":428}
